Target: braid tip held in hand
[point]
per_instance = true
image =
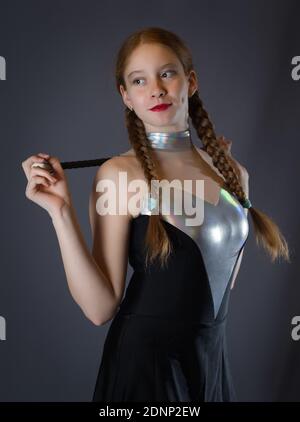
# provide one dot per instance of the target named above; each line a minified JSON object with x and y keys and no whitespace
{"x":83,"y":163}
{"x":71,"y":164}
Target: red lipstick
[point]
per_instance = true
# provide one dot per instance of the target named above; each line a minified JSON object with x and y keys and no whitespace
{"x":160,"y":107}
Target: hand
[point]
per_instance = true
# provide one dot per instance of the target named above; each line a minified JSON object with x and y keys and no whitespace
{"x":47,"y":189}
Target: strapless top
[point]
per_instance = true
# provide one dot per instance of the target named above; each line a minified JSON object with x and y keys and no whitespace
{"x":220,"y":237}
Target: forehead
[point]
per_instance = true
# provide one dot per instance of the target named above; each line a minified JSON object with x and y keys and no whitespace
{"x":146,"y":56}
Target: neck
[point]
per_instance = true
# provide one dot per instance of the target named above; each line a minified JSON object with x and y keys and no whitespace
{"x":170,"y":141}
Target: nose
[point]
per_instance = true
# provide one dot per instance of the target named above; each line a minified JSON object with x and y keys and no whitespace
{"x":157,"y":89}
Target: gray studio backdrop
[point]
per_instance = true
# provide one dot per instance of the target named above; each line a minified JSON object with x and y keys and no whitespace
{"x":58,"y":96}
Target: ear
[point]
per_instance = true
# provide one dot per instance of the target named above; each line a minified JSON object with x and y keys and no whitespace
{"x":125,"y":97}
{"x":193,"y":83}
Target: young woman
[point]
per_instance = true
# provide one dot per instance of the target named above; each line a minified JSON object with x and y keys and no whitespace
{"x":167,"y":341}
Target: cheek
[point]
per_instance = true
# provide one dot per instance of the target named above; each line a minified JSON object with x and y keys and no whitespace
{"x":139,"y":98}
{"x":181,"y":90}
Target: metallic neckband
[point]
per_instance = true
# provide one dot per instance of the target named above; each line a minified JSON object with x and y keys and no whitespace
{"x":170,"y":141}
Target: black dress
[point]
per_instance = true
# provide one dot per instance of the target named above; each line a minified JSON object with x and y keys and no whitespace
{"x":167,"y":342}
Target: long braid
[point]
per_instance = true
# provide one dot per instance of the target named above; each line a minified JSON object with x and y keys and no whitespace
{"x":213,"y":147}
{"x":266,"y":230}
{"x":157,"y":239}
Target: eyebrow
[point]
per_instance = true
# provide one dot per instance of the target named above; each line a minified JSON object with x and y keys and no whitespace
{"x":161,"y":67}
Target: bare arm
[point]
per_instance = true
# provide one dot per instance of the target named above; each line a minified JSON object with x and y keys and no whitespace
{"x":90,"y":288}
{"x":95,"y":279}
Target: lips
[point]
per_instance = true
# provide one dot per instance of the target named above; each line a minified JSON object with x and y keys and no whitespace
{"x":160,"y":107}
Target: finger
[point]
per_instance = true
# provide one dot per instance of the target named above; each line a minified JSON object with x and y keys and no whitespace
{"x":34,"y":182}
{"x":43,"y":154}
{"x":26,"y":164}
{"x":46,"y":158}
{"x":37,"y":171}
{"x":55,"y":163}
{"x":33,"y":158}
{"x":45,"y":165}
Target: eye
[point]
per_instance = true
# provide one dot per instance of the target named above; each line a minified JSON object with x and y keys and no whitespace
{"x":168,"y":71}
{"x":139,"y":79}
{"x":135,"y":80}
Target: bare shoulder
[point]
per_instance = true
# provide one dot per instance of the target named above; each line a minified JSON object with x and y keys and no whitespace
{"x":111,"y":167}
{"x":129,"y":153}
{"x":110,"y":172}
{"x":203,"y":154}
{"x":130,"y":161}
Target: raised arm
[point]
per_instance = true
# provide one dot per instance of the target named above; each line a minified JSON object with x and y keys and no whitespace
{"x":96,"y":279}
{"x":111,"y":232}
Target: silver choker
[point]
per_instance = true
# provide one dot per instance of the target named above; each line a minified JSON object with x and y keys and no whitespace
{"x":170,"y":141}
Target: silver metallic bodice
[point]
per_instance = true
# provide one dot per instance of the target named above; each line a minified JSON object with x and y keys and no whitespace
{"x":220,"y":237}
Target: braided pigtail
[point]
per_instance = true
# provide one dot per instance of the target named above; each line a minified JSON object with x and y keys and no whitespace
{"x":157,"y":240}
{"x":267,"y":232}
